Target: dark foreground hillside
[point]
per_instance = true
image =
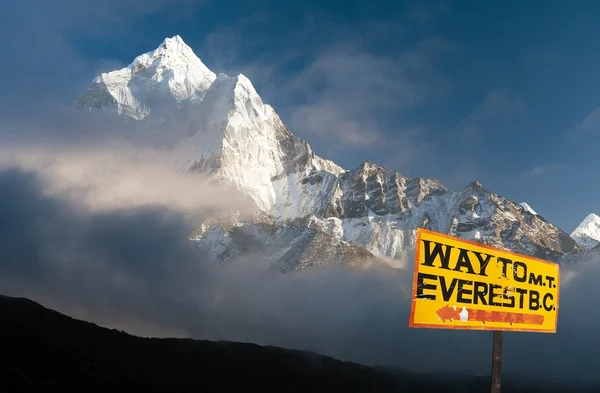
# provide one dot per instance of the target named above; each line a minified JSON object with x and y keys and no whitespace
{"x":43,"y":350}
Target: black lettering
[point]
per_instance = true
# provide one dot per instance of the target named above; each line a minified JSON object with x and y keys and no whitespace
{"x":464,"y":261}
{"x":534,"y":300}
{"x":521,"y":292}
{"x":447,"y":291}
{"x":462,"y":291}
{"x":430,"y":255}
{"x":479,"y":292}
{"x":546,"y":306}
{"x":494,"y":295}
{"x":550,"y":281}
{"x":483,"y":263}
{"x":505,"y":262}
{"x":535,"y":279}
{"x":421,"y":286}
{"x":516,"y":264}
{"x":508,"y":296}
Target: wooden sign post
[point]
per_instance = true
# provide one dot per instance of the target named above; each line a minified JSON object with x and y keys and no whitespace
{"x":462,"y":284}
{"x":497,"y":360}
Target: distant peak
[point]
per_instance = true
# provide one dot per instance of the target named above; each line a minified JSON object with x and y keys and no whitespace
{"x":175,"y":39}
{"x":244,"y":81}
{"x":171,"y":72}
{"x":175,"y":44}
{"x":587,"y":234}
{"x":527,"y":207}
{"x":369,"y":165}
{"x":238,"y":87}
{"x":173,"y":48}
{"x":590,"y":219}
{"x":476,"y":183}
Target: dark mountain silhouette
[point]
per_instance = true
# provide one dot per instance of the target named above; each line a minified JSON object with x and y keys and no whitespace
{"x":43,"y":350}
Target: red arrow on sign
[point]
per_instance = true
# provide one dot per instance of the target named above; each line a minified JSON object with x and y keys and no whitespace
{"x":484,"y":316}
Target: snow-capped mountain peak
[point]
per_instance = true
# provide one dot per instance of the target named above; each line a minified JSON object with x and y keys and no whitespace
{"x":527,"y":208}
{"x":153,"y":83}
{"x":218,"y":125}
{"x":587,"y":234}
{"x":172,"y":50}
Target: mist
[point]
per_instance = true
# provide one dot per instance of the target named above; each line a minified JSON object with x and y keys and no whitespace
{"x":98,"y":229}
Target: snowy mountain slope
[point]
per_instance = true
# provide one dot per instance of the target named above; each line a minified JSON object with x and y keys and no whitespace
{"x":587,"y":234}
{"x":527,"y":207}
{"x":286,"y":249}
{"x":171,"y":74}
{"x":497,"y":221}
{"x":226,"y":131}
{"x":241,"y":141}
{"x":382,"y":216}
{"x":233,"y":236}
{"x":160,"y":87}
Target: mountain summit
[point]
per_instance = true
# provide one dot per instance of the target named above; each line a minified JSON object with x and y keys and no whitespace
{"x":587,"y":234}
{"x":169,"y":75}
{"x":223,"y":129}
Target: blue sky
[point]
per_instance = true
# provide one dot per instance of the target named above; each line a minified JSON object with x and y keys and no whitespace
{"x":507,"y":93}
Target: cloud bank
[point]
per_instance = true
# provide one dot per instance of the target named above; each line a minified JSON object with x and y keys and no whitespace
{"x":101,"y":234}
{"x":543,"y":169}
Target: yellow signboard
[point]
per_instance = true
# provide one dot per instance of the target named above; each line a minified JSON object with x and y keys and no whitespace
{"x":461,"y":284}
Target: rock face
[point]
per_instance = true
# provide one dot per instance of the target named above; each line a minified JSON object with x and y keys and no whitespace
{"x":311,"y":208}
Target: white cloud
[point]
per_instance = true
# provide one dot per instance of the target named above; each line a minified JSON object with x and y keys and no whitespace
{"x":349,"y":93}
{"x":592,"y":122}
{"x":583,"y":132}
{"x":543,"y":169}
